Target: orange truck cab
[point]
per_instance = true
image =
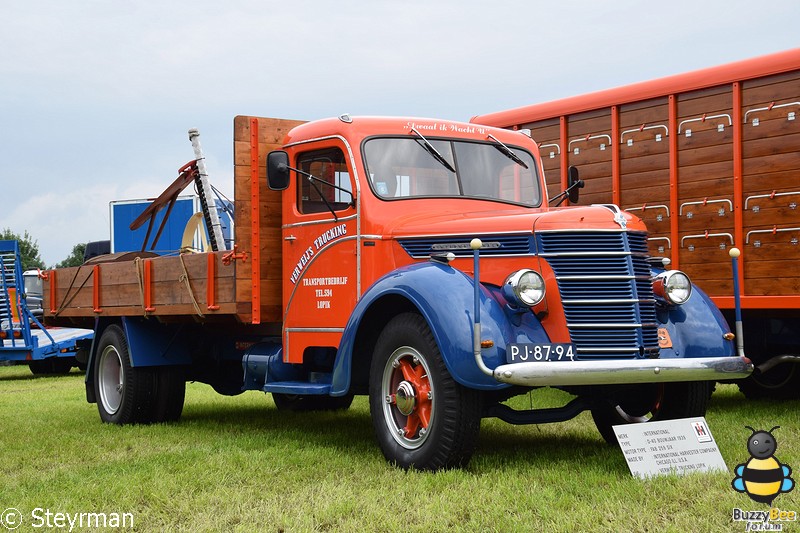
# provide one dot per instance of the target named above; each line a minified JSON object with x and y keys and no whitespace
{"x":419,"y":263}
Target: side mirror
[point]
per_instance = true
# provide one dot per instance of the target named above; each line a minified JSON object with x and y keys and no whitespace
{"x":278,"y":170}
{"x":574,"y":184}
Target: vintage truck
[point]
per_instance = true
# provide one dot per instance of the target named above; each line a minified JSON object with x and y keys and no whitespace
{"x":415,"y":261}
{"x":709,"y":160}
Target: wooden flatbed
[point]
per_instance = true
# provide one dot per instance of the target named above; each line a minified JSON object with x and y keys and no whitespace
{"x":243,"y":284}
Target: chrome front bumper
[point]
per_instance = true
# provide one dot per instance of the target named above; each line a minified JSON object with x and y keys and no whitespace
{"x":618,"y":372}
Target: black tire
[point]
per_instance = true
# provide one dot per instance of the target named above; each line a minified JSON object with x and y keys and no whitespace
{"x":51,"y":366}
{"x":170,"y":393}
{"x":779,"y":383}
{"x":42,"y":367}
{"x":125,"y":395}
{"x":652,"y":402}
{"x":305,"y":403}
{"x":440,"y":429}
{"x":62,"y":365}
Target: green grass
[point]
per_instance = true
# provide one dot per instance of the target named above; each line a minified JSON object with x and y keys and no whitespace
{"x":238,"y":464}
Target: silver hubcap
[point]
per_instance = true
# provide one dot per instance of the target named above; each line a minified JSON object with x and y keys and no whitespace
{"x":409,"y":407}
{"x":404,"y":397}
{"x":111,"y":379}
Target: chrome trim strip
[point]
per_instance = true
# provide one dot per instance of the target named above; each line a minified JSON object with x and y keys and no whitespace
{"x":564,"y":373}
{"x":605,"y":302}
{"x":609,"y":230}
{"x":315,"y":330}
{"x":596,"y":278}
{"x":593,"y":254}
{"x":323,"y":221}
{"x":469,"y":256}
{"x":608,"y":350}
{"x":609,"y":325}
{"x":523,"y":233}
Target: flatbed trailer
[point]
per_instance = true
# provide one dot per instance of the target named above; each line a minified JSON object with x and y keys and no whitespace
{"x":709,"y":160}
{"x":23,"y":339}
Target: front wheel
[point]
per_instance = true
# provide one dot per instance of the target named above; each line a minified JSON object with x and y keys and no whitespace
{"x":422,"y":417}
{"x":652,"y":402}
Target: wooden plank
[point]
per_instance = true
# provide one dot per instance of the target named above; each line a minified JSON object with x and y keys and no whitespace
{"x":710,"y":101}
{"x":770,"y":89}
{"x":645,"y":162}
{"x":271,"y":132}
{"x":226,"y":311}
{"x":122,"y":287}
{"x":788,"y":143}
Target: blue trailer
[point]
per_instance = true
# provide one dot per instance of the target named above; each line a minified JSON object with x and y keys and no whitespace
{"x":122,"y":213}
{"x":23,"y":338}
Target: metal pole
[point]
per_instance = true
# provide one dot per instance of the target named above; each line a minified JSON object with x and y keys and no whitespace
{"x":212,"y":221}
{"x":476,"y":245}
{"x":735,"y":253}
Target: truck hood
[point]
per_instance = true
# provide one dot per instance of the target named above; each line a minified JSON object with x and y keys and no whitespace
{"x":579,"y":218}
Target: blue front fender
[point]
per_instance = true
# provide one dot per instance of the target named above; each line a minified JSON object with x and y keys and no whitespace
{"x":444,"y":296}
{"x":696,"y":328}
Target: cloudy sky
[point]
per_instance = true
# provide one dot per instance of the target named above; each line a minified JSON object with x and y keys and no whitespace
{"x":96,"y":97}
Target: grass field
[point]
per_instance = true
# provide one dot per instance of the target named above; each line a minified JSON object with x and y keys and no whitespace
{"x":238,"y":464}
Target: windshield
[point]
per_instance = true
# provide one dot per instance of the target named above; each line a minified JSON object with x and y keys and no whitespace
{"x":33,"y":285}
{"x":407,"y":168}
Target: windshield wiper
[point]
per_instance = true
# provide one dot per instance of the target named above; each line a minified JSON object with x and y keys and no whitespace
{"x":313,"y":180}
{"x":506,"y":151}
{"x":433,"y":151}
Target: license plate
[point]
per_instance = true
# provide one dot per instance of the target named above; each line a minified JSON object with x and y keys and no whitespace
{"x":536,"y":353}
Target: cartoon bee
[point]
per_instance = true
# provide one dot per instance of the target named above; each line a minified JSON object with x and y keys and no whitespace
{"x":763,"y":477}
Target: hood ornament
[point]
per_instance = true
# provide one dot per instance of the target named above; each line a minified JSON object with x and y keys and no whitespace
{"x":619,"y":216}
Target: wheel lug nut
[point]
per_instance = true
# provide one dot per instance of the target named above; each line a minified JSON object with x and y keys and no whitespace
{"x":422,"y":432}
{"x":401,"y":431}
{"x":430,"y":395}
{"x":416,"y":360}
{"x":395,"y":364}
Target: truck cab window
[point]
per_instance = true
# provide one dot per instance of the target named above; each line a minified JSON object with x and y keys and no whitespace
{"x":404,"y":168}
{"x":332,"y":186}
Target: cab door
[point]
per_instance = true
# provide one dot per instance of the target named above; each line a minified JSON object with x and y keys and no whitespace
{"x":320,"y":245}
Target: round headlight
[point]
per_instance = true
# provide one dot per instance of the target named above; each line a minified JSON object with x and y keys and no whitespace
{"x":524,"y":288}
{"x":673,"y":286}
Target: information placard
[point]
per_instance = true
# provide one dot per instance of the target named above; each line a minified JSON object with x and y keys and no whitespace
{"x":672,"y":446}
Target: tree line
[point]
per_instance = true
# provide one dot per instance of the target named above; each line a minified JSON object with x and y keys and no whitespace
{"x":32,"y":259}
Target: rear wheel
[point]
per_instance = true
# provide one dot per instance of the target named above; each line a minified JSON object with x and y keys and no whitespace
{"x":170,"y":393}
{"x":652,"y":402}
{"x":124,"y":394}
{"x":781,"y":382}
{"x":128,"y":395}
{"x":422,"y":417}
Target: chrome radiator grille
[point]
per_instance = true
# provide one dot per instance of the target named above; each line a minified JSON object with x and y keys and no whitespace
{"x":604,"y":280}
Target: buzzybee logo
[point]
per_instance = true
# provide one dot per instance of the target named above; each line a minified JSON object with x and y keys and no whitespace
{"x":762,"y":477}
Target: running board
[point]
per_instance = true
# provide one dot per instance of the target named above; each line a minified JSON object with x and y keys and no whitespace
{"x":298,"y":387}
